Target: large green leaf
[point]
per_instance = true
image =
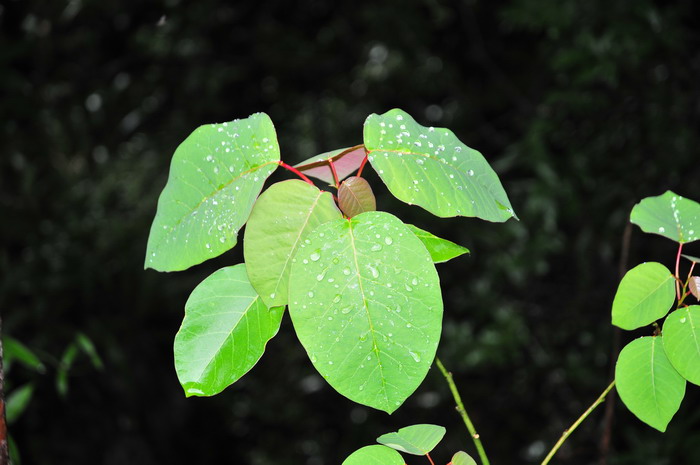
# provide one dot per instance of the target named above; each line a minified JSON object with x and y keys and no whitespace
{"x":282,"y":216}
{"x":416,"y":439}
{"x":681,"y":337}
{"x":644,"y":295}
{"x":441,"y":250}
{"x":224,"y":333}
{"x":668,"y":215}
{"x":374,"y":455}
{"x":215,"y":176}
{"x":431,"y":168}
{"x":647,"y":382}
{"x":365,"y":301}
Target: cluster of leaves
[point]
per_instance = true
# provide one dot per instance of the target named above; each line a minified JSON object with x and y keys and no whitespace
{"x":652,"y":371}
{"x":414,"y":440}
{"x":361,"y":286}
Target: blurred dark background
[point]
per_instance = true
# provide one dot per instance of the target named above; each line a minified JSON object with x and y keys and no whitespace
{"x":583,"y":109}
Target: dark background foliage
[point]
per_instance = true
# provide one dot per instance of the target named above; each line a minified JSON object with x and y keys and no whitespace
{"x":583,"y":108}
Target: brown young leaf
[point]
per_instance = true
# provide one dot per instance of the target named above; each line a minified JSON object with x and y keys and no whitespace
{"x":355,"y":196}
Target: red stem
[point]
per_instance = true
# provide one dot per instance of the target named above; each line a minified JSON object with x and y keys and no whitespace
{"x":362,"y":165}
{"x":431,"y":460}
{"x":678,"y":260}
{"x":295,"y":171}
{"x":335,"y":174}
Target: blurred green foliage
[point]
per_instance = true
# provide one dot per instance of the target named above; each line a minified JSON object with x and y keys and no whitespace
{"x":583,"y":108}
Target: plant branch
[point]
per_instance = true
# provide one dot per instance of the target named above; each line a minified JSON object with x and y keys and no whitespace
{"x":335,"y":173}
{"x":463,"y":412}
{"x":565,"y":435}
{"x":362,"y":165}
{"x":430,"y":459}
{"x":295,"y":171}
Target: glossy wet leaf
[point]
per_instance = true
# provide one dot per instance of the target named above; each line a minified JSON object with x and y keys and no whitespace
{"x":644,"y":295}
{"x":668,"y":215}
{"x":280,"y":220}
{"x":441,"y":250}
{"x":647,"y":382}
{"x":416,"y":439}
{"x":462,"y":458}
{"x":366,"y":305}
{"x":374,"y":455}
{"x":15,"y":350}
{"x":17,"y":401}
{"x":431,"y":168}
{"x":355,"y":196}
{"x":215,"y":176}
{"x":681,"y":338}
{"x":345,"y":161}
{"x":224,"y":333}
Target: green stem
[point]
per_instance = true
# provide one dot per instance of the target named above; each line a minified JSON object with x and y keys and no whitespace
{"x":573,"y":427}
{"x":463,"y":413}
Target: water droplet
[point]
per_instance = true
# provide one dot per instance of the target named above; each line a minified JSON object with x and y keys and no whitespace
{"x":363,"y":338}
{"x":272,"y":296}
{"x":388,"y":240}
{"x":311,"y":293}
{"x":361,"y":388}
{"x":373,"y":270}
{"x":470,"y":172}
{"x":414,"y":281}
{"x":335,"y":260}
{"x":346,"y":271}
{"x":346,"y":310}
{"x":313,"y":358}
{"x":376,"y":248}
{"x":330,"y":362}
{"x":662,"y":229}
{"x":415,"y":356}
{"x":319,"y":277}
{"x":408,"y":288}
{"x":683,"y":320}
{"x":315,"y":256}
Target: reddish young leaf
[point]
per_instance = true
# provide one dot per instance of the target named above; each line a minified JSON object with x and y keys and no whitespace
{"x":355,"y":196}
{"x":345,"y":161}
{"x":694,"y":286}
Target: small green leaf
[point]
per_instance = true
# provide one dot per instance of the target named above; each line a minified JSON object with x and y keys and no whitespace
{"x":374,"y":455}
{"x":355,"y":196}
{"x":668,"y":215}
{"x":224,"y":333}
{"x":416,"y":439}
{"x":364,"y":297}
{"x":681,"y":338}
{"x":691,"y":258}
{"x":431,"y":168}
{"x":644,"y":295}
{"x":17,"y":402}
{"x":15,"y":350}
{"x":345,"y":161}
{"x":215,"y":176}
{"x":462,"y":458}
{"x":89,"y":349}
{"x":64,"y":367}
{"x":441,"y":250}
{"x":647,"y":382}
{"x":283,"y":215}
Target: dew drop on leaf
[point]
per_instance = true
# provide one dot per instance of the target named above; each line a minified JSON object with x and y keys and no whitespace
{"x":415,"y":356}
{"x":388,"y":240}
{"x":311,"y":293}
{"x":336,"y":299}
{"x":315,"y":256}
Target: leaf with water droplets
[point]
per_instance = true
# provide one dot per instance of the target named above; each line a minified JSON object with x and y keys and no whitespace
{"x":441,"y":250}
{"x":681,"y":338}
{"x":647,"y":382}
{"x":374,"y":455}
{"x":375,"y":344}
{"x":431,"y":168}
{"x":224,"y":333}
{"x":668,"y":215}
{"x":415,"y":439}
{"x":355,"y":196}
{"x":215,"y":176}
{"x":644,"y":295}
{"x":345,"y":162}
{"x":279,"y":222}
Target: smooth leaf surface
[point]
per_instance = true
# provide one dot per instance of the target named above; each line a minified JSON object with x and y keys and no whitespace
{"x":647,"y":382}
{"x":15,"y":350}
{"x":431,"y":168}
{"x":668,"y":215}
{"x":462,"y":458}
{"x":355,"y":196}
{"x":345,"y":161}
{"x":374,"y":455}
{"x":224,"y":333}
{"x":215,"y":176}
{"x":365,"y":301}
{"x":415,"y":439}
{"x":280,"y":219}
{"x":441,"y":250}
{"x":17,"y":402}
{"x":681,"y":338}
{"x":691,"y":258}
{"x":644,"y":295}
{"x":694,"y":286}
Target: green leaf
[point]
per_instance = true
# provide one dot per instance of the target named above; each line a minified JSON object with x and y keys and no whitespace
{"x":17,"y":402}
{"x":681,"y":338}
{"x":441,"y":250}
{"x":691,"y":258}
{"x":345,"y":161}
{"x":64,"y":367}
{"x":644,"y":295}
{"x":431,"y":168}
{"x":224,"y":333}
{"x":215,"y":176}
{"x":462,"y":458}
{"x":647,"y":382}
{"x":374,"y":455}
{"x":366,"y":305}
{"x":283,"y":215}
{"x":355,"y":196}
{"x":89,"y":349}
{"x":416,"y":439}
{"x":15,"y":350}
{"x":668,"y":215}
